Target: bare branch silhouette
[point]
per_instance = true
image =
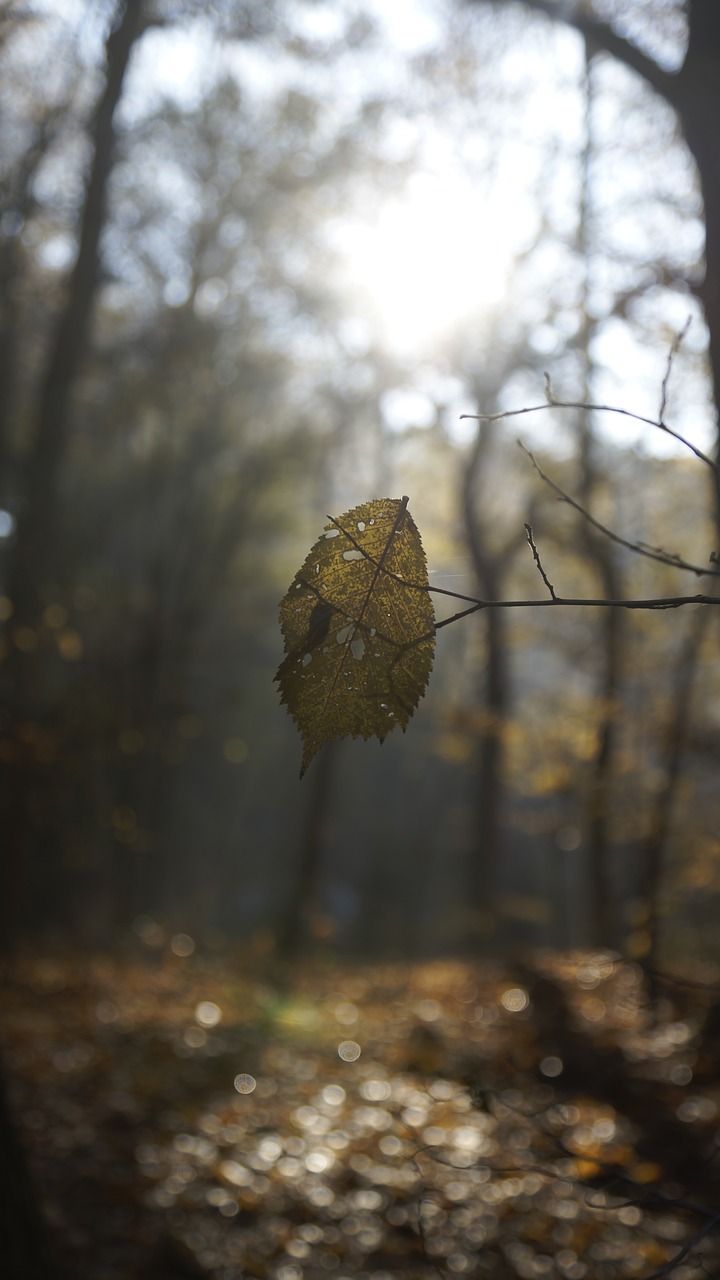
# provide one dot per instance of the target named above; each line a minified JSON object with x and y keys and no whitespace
{"x":553,"y":403}
{"x":674,"y":348}
{"x":640,"y":548}
{"x":536,"y":557}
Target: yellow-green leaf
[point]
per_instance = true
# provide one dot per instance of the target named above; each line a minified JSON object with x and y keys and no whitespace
{"x":359,"y":628}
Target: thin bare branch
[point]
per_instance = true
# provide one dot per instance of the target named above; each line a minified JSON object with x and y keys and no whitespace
{"x":552,"y":403}
{"x":536,"y":557}
{"x":686,"y":1249}
{"x":640,"y":548}
{"x":674,"y":348}
{"x":662,"y":602}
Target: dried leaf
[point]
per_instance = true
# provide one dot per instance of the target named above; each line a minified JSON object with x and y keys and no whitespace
{"x":359,"y":628}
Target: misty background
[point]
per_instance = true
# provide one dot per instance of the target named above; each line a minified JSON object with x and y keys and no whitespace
{"x":256,"y":260}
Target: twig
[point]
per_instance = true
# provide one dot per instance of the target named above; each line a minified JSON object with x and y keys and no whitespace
{"x":640,"y":548}
{"x":687,"y":1248}
{"x":661,"y":602}
{"x":552,"y":403}
{"x":423,"y":1237}
{"x":538,"y":562}
{"x":674,"y":348}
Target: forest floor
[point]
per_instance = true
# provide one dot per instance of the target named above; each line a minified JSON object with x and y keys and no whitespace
{"x":188,"y":1117}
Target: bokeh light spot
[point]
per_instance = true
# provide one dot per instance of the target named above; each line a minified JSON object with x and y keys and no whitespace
{"x":70,"y":645}
{"x":334,"y":1095}
{"x":208,"y":1014}
{"x":349,"y":1050}
{"x":181,"y":944}
{"x":551,"y":1066}
{"x":515,"y":999}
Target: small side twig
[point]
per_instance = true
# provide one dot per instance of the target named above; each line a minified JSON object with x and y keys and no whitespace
{"x":668,"y":1268}
{"x":640,"y":548}
{"x":536,"y":557}
{"x":674,"y":348}
{"x":553,"y":403}
{"x":424,"y":1240}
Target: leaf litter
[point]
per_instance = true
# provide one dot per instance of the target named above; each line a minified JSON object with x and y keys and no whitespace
{"x":442,"y":1119}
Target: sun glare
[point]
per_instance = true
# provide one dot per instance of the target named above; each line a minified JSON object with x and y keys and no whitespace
{"x":431,"y":259}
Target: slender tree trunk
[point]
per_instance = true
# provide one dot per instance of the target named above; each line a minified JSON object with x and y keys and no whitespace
{"x":602,"y":923}
{"x":24,"y":1247}
{"x":19,"y":200}
{"x":672,"y":750}
{"x":34,"y":543}
{"x":600,"y":554}
{"x":495,"y":695}
{"x":292,"y":926}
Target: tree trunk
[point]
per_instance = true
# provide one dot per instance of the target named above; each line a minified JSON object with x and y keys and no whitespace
{"x":495,"y":695}
{"x":18,"y":199}
{"x":600,"y":554}
{"x":672,"y":749}
{"x":23,"y":1237}
{"x":291,"y":931}
{"x":34,"y":543}
{"x":698,"y":98}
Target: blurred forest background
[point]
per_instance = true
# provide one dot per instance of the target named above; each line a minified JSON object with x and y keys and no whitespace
{"x":256,"y":260}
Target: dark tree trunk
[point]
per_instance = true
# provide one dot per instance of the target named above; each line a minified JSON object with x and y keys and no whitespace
{"x":22,"y":685}
{"x":35,"y":527}
{"x":672,"y":748}
{"x":698,"y":101}
{"x":489,"y":566}
{"x":18,"y":200}
{"x":602,"y":924}
{"x":601,"y":556}
{"x":291,"y":931}
{"x":24,"y":1249}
